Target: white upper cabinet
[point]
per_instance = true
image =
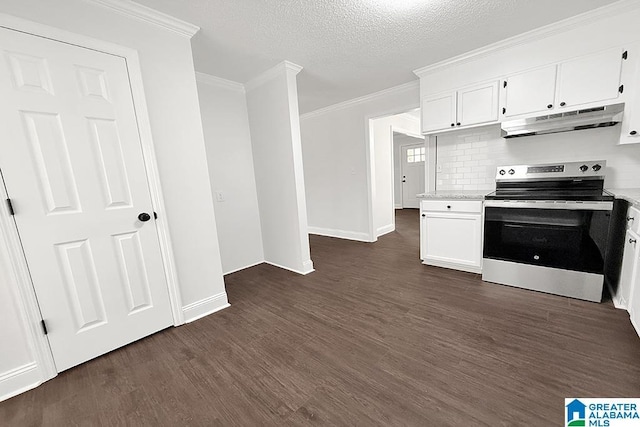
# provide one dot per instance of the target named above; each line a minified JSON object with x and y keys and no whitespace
{"x":530,"y":92}
{"x":438,"y":111}
{"x":592,"y":78}
{"x":587,"y":80}
{"x":630,"y":131}
{"x":468,"y":106}
{"x":477,"y":104}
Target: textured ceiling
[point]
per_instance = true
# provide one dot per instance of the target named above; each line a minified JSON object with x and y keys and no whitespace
{"x":350,"y":48}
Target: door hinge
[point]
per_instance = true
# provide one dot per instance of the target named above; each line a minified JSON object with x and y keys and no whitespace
{"x":621,"y":88}
{"x":504,"y":110}
{"x":504,"y":84}
{"x":44,"y":327}
{"x":625,"y":54}
{"x":10,"y":207}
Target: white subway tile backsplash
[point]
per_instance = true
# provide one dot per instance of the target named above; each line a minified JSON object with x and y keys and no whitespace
{"x":469,"y":160}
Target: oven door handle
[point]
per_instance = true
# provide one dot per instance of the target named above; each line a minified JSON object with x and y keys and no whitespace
{"x":550,"y":204}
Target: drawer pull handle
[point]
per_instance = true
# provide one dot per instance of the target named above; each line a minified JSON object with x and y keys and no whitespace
{"x":632,"y":241}
{"x":630,"y":218}
{"x":448,"y":206}
{"x":423,"y":215}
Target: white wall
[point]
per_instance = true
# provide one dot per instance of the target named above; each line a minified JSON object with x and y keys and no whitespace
{"x":469,"y":159}
{"x":382,"y":167}
{"x":228,"y":142}
{"x":400,"y":140}
{"x":170,"y":86}
{"x":277,"y":157}
{"x":334,"y":145}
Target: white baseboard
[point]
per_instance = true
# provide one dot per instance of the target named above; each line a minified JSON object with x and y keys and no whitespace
{"x":340,"y":234}
{"x":635,"y":326}
{"x":19,"y":380}
{"x":199,"y":309}
{"x":615,"y":299}
{"x":385,"y":229}
{"x":307,"y":267}
{"x":243,"y":268}
{"x":453,"y":266}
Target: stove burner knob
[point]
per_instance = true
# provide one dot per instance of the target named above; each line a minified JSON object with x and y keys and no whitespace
{"x":596,"y":167}
{"x":502,"y":171}
{"x":584,"y":168}
{"x":511,"y":171}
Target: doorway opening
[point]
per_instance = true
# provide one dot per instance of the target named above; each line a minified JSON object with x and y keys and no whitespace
{"x":395,"y":139}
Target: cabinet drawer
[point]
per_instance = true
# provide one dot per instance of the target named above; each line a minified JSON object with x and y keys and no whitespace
{"x":633,"y":220}
{"x":470,"y":206}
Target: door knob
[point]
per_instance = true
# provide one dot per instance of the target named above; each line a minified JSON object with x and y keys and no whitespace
{"x":144,"y":217}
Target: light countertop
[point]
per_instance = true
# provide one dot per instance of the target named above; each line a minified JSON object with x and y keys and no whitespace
{"x":632,"y":195}
{"x":454,"y":194}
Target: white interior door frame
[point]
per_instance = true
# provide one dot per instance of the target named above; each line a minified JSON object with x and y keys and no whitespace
{"x":370,"y":160}
{"x":26,"y":291}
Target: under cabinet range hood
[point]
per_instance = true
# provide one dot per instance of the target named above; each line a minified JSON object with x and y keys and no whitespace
{"x":589,"y":118}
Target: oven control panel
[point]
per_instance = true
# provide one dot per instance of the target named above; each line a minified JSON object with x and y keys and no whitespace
{"x":552,"y":171}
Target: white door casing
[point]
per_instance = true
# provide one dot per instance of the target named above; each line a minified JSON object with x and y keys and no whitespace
{"x":413,"y":175}
{"x":75,"y":171}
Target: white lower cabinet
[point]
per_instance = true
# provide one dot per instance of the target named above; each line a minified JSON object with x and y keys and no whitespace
{"x":634,"y":300}
{"x":627,"y":296}
{"x":628,"y":293}
{"x":629,"y":267}
{"x":451,"y":234}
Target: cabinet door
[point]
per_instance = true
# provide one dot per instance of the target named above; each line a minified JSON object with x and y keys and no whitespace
{"x":634,"y":299}
{"x":438,"y":111}
{"x":630,"y":129}
{"x":453,"y":238}
{"x":588,"y":79}
{"x":628,"y":265}
{"x":530,"y":92}
{"x":423,"y":235}
{"x":478,"y":104}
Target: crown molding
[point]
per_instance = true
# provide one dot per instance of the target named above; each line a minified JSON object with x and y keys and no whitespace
{"x":219,"y":82}
{"x":272,"y":73}
{"x":622,"y":6}
{"x":414,"y":84}
{"x":149,"y":15}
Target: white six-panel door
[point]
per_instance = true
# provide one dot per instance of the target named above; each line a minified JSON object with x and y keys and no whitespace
{"x":73,"y":167}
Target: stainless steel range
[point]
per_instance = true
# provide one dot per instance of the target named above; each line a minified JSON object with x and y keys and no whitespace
{"x":546,"y":228}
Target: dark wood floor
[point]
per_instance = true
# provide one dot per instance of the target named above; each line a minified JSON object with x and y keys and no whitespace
{"x":371,"y":338}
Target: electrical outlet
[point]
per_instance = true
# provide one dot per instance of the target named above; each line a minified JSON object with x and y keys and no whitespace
{"x":219,"y":196}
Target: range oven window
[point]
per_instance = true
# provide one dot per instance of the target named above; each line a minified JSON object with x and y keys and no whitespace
{"x":557,"y":238}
